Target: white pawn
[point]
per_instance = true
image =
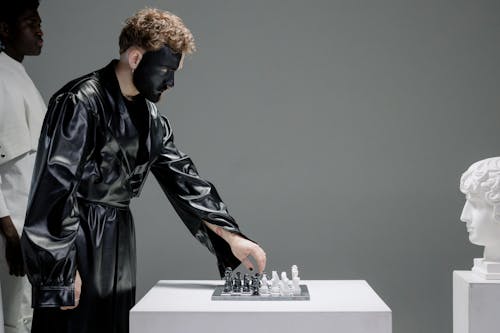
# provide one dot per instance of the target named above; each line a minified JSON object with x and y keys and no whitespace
{"x":264,"y":286}
{"x":264,"y":280}
{"x":264,"y":290}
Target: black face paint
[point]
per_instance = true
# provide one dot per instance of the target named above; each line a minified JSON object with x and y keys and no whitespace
{"x":155,"y":72}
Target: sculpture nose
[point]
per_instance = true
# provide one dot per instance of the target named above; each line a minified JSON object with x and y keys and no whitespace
{"x":466,"y":213}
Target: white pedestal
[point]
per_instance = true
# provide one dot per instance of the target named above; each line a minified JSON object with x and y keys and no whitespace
{"x":489,"y":270}
{"x":335,"y":306}
{"x":476,"y":303}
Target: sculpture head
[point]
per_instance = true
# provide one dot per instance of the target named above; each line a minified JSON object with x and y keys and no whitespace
{"x":481,"y":212}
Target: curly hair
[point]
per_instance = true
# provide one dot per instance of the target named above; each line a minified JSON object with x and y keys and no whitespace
{"x":152,"y":28}
{"x":483,"y":179}
{"x":11,"y":10}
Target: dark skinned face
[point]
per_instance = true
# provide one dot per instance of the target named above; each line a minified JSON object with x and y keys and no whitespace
{"x":155,"y":72}
{"x":24,"y":36}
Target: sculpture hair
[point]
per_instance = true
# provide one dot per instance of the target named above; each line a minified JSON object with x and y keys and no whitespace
{"x":152,"y":28}
{"x":483,"y":179}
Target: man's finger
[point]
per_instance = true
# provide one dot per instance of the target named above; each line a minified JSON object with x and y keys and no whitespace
{"x":71,"y":307}
{"x":248,"y":264}
{"x":260,"y":258}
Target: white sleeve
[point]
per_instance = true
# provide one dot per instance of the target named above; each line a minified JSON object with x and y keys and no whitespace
{"x":3,"y":206}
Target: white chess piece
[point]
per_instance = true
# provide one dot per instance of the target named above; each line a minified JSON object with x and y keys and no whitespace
{"x":264,"y":290}
{"x":296,"y":280}
{"x":264,"y":286}
{"x":285,"y":289}
{"x":284,"y":278}
{"x":275,"y":284}
{"x":295,"y":271}
{"x":264,"y":280}
{"x":275,"y":278}
{"x":285,"y":284}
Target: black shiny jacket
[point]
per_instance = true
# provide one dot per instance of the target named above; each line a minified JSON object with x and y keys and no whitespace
{"x":88,"y":157}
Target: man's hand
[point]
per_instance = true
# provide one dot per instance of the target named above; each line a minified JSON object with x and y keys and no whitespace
{"x":241,"y":247}
{"x":78,"y":292}
{"x":13,"y":253}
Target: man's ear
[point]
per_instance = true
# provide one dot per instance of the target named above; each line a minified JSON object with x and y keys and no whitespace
{"x":4,"y":30}
{"x":134,"y":57}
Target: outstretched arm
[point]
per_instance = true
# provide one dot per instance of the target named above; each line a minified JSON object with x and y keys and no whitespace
{"x":200,"y":207}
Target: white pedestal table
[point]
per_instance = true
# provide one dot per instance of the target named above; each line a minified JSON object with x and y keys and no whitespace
{"x":185,"y":306}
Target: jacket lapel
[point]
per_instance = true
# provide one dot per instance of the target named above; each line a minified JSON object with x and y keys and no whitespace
{"x":117,"y":119}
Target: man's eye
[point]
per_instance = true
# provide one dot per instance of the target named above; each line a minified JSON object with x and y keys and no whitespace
{"x":34,"y":23}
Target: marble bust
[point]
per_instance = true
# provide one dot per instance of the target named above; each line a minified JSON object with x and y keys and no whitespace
{"x":481,"y":213}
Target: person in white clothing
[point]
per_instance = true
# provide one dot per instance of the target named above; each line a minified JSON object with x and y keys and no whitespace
{"x":21,"y":116}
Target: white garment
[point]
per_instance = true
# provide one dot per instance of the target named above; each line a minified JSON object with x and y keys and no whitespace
{"x":21,"y":110}
{"x":21,"y":116}
{"x":15,"y":179}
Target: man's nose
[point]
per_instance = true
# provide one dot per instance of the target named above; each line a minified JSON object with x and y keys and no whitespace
{"x":170,"y":82}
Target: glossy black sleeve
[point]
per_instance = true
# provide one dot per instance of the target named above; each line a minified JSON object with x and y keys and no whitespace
{"x":52,"y":217}
{"x":194,"y":199}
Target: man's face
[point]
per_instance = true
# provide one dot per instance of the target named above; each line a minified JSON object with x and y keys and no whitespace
{"x":155,"y":72}
{"x":25,"y":35}
{"x":481,"y":224}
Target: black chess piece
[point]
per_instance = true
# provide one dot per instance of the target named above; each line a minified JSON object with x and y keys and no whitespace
{"x":237,"y":283}
{"x":246,"y":283}
{"x":227,"y":278}
{"x":255,"y":284}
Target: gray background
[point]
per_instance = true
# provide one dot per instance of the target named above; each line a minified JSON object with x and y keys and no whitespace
{"x":336,"y":131}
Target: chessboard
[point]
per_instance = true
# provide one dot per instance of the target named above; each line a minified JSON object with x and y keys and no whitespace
{"x":238,"y":287}
{"x":220,"y":295}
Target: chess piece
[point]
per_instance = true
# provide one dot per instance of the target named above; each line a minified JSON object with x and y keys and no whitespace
{"x":246,"y":283}
{"x":264,"y":280}
{"x":275,"y":287}
{"x":227,"y":280}
{"x":295,"y":271}
{"x":264,"y":286}
{"x":284,"y":286}
{"x":255,"y":285}
{"x":285,"y":279}
{"x":237,"y":283}
{"x":275,"y":278}
{"x":296,"y":281}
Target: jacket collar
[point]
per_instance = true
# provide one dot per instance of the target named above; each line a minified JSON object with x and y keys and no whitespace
{"x":118,"y":119}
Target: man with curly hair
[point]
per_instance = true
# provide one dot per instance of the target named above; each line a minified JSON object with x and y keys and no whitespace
{"x":101,"y":137}
{"x":21,"y":115}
